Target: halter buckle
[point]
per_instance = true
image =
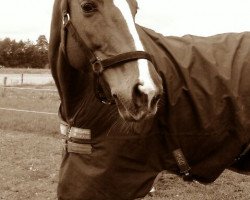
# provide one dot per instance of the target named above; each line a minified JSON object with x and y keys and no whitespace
{"x":66,"y":18}
{"x":97,"y":66}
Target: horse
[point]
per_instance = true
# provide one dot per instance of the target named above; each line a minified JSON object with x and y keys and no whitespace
{"x":135,"y":103}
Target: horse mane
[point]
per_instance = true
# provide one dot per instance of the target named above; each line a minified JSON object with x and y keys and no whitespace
{"x":69,"y":81}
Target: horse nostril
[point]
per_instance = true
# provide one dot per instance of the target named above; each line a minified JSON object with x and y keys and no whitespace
{"x":139,"y":97}
{"x":137,"y":90}
{"x":155,"y":100}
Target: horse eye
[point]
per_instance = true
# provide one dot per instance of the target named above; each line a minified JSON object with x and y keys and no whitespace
{"x":89,"y":7}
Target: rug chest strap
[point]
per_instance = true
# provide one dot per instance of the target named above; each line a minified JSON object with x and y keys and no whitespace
{"x":245,"y":151}
{"x":71,"y":134}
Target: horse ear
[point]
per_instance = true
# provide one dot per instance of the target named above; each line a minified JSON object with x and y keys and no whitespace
{"x":135,"y":6}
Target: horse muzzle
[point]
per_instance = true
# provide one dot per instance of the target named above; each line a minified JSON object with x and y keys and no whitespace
{"x":144,"y":104}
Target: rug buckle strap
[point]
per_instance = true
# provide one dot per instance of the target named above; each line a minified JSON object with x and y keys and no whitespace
{"x":245,"y":151}
{"x":182,"y":164}
{"x":71,"y":134}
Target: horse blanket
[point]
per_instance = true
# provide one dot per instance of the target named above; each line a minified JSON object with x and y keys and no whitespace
{"x":205,"y":112}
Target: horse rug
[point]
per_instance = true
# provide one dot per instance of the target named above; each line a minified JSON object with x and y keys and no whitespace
{"x":205,"y":112}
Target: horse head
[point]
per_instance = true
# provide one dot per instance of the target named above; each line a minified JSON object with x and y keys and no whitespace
{"x":107,"y":29}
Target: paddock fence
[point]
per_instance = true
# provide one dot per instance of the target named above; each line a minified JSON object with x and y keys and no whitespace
{"x":28,"y":106}
{"x":4,"y":89}
{"x":25,"y":79}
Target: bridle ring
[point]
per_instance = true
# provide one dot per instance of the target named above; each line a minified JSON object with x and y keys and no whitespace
{"x":66,"y":18}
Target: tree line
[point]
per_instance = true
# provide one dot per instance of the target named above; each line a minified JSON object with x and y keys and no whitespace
{"x":24,"y":54}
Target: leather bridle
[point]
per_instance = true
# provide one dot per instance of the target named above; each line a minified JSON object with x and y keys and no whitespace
{"x":99,"y":65}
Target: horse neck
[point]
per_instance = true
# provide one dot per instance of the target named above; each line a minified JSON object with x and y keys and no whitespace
{"x":79,"y":106}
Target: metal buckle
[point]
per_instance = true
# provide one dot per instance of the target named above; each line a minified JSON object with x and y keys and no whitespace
{"x":97,"y":66}
{"x":79,"y":133}
{"x":66,"y":18}
{"x":106,"y":101}
{"x":64,"y":129}
{"x":98,"y":69}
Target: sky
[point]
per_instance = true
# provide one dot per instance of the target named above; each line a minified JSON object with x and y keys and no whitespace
{"x":27,"y":19}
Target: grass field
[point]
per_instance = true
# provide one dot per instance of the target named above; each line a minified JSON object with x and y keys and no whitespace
{"x":29,"y":166}
{"x":30,"y":152}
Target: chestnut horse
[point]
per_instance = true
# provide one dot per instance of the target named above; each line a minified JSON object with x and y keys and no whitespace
{"x":134,"y":103}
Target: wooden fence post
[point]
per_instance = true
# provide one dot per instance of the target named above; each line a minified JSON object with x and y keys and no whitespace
{"x":4,"y":86}
{"x":5,"y":81}
{"x":21,"y":79}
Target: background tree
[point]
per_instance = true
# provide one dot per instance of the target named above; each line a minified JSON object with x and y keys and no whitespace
{"x":24,"y":54}
{"x":42,"y":46}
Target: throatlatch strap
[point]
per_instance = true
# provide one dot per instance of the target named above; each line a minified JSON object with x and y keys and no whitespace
{"x":71,"y":29}
{"x":65,"y":6}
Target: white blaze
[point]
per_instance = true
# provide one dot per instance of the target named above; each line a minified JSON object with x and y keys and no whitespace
{"x":144,"y":74}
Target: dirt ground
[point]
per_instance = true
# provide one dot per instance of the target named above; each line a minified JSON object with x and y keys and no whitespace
{"x":29,"y":166}
{"x":29,"y":171}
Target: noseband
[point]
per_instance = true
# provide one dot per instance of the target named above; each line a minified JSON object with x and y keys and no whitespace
{"x":99,"y":65}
